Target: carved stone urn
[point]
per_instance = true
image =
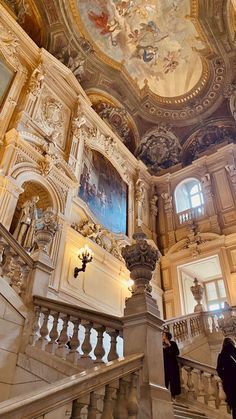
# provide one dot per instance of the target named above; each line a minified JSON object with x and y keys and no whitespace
{"x":197,"y":291}
{"x":140,"y":259}
{"x":45,"y":229}
{"x":227,"y":324}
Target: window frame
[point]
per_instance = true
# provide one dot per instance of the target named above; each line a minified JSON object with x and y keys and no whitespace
{"x":189,"y":196}
{"x":219,"y":300}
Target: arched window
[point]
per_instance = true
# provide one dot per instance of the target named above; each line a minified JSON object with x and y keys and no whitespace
{"x":188,"y":194}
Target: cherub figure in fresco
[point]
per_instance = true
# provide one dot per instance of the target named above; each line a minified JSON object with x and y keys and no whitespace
{"x":148,"y":40}
{"x":171,"y":61}
{"x":111,"y":28}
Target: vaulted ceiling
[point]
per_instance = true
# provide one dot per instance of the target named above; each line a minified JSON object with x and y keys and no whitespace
{"x":159,"y":72}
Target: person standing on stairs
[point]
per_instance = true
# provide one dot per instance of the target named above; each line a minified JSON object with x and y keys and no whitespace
{"x":171,"y":366}
{"x":226,"y":369}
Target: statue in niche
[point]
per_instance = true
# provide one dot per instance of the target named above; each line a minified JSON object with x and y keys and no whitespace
{"x":24,"y":231}
{"x":158,"y":150}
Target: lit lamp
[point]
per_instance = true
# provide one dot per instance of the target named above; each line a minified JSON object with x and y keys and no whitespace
{"x":86,"y":256}
{"x":130,"y":283}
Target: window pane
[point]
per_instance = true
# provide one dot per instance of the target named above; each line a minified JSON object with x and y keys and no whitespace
{"x":194,"y":190}
{"x":211,"y":291}
{"x":222,"y":304}
{"x":214,"y":306}
{"x":221,"y":287}
{"x":196,"y":201}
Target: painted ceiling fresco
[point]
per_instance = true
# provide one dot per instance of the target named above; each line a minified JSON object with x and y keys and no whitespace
{"x":155,"y":40}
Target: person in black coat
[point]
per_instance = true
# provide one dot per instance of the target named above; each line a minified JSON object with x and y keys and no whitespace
{"x":226,"y":369}
{"x":171,"y":366}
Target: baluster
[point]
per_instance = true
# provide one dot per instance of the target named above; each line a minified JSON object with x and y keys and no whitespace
{"x":74,"y":342}
{"x":35,"y":328}
{"x":86,"y":346}
{"x":42,"y":341}
{"x":182,"y":383}
{"x":190,"y":383}
{"x":113,"y":352}
{"x":78,"y":405}
{"x":213,"y":324}
{"x":211,"y":399}
{"x":200,"y":387}
{"x":63,"y":338}
{"x":99,"y":350}
{"x":92,"y":408}
{"x":132,"y":402}
{"x":121,"y":404}
{"x":108,"y":403}
{"x":221,"y":396}
{"x":53,"y":334}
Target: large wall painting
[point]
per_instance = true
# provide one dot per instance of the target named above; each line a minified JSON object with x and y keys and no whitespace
{"x":104,"y":191}
{"x":156,"y":40}
{"x":6,"y":77}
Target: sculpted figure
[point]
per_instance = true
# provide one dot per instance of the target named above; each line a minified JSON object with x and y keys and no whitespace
{"x":25,"y":228}
{"x":232,"y":102}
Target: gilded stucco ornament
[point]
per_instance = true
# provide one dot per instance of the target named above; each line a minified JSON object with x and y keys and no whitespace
{"x":98,"y":234}
{"x":140,"y":259}
{"x":9,"y":47}
{"x":117,"y":118}
{"x":159,"y":149}
{"x":36,"y":80}
{"x":205,"y":138}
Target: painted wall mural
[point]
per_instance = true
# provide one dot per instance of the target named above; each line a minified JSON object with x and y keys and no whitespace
{"x":104,"y":191}
{"x":6,"y":77}
{"x":155,"y":40}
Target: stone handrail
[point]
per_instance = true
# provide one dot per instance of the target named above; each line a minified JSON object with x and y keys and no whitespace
{"x":78,"y":335}
{"x":105,"y":389}
{"x":15,"y":263}
{"x":200,"y":382}
{"x":185,"y":328}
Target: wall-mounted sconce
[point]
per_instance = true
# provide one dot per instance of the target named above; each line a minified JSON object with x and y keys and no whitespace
{"x":86,"y":256}
{"x":130,"y":283}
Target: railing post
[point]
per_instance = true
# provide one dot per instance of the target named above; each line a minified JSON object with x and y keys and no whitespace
{"x":40,"y":275}
{"x":143,"y":330}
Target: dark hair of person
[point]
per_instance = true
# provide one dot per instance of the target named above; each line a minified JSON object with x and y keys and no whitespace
{"x":227,"y":342}
{"x":168,"y":335}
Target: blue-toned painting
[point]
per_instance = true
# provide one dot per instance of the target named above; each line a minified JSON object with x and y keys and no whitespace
{"x":104,"y":191}
{"x":6,"y":77}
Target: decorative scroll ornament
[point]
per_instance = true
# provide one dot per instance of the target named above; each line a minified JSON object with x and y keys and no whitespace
{"x":228,"y":323}
{"x":78,"y":122}
{"x":103,"y":237}
{"x":140,"y":259}
{"x":9,"y":47}
{"x":197,"y":291}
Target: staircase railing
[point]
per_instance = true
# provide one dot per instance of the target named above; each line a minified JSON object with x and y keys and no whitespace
{"x":15,"y":262}
{"x":81,"y":336}
{"x":187,"y":327}
{"x":102,"y":391}
{"x":200,"y":382}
